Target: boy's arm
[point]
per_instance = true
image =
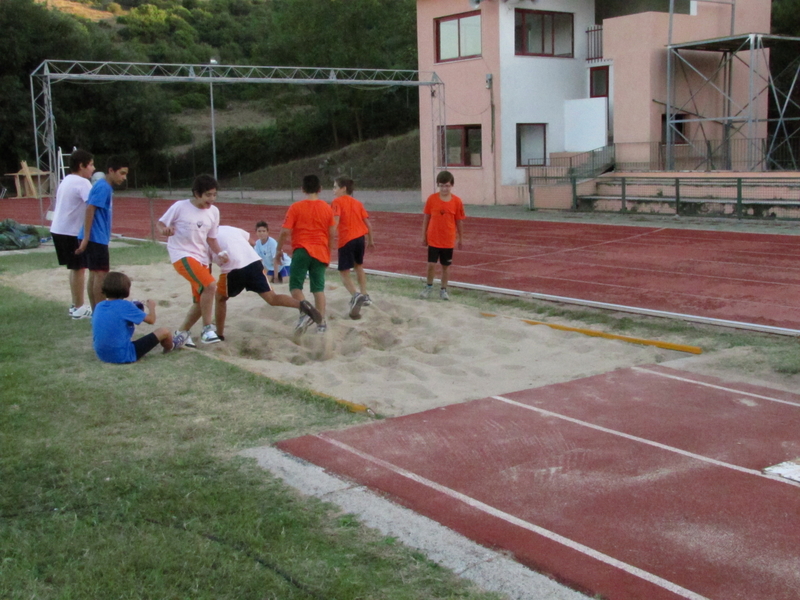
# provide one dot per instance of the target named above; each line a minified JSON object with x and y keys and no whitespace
{"x":150,"y":319}
{"x":87,"y":228}
{"x":370,"y":242}
{"x":165,"y":230}
{"x":213,"y":244}
{"x":282,"y":238}
{"x":459,"y":232}
{"x":426,"y":218}
{"x":332,"y":237}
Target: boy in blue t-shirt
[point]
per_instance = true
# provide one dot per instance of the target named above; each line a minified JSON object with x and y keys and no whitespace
{"x":114,"y":320}
{"x":266,"y":247}
{"x":97,"y":222}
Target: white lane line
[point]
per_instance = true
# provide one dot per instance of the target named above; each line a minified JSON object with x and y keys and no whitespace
{"x":716,"y":387}
{"x":628,"y":436}
{"x":476,"y":504}
{"x":659,"y":445}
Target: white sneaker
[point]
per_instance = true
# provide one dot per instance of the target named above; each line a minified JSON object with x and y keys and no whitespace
{"x":368,"y":300}
{"x":302,"y":324}
{"x":179,"y":339}
{"x":443,"y":294}
{"x":71,"y":309}
{"x":209,"y":335}
{"x":426,"y":292}
{"x":322,"y":327}
{"x":82,"y":312}
{"x":189,"y":343}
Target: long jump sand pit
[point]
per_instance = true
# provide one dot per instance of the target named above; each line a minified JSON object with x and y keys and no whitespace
{"x":404,"y":356}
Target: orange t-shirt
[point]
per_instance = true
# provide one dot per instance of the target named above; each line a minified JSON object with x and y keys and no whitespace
{"x":309,"y":221}
{"x":442,"y":226}
{"x":351,"y":215}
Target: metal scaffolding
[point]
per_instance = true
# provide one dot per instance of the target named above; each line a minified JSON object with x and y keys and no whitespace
{"x":55,"y":71}
{"x":739,"y":117}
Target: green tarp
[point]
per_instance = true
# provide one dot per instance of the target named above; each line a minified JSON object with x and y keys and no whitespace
{"x":14,"y":236}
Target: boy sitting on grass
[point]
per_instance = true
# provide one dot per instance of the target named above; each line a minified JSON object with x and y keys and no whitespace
{"x":114,"y":320}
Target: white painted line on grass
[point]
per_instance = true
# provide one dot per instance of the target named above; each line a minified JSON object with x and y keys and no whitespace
{"x":477,"y":504}
{"x":716,"y":387}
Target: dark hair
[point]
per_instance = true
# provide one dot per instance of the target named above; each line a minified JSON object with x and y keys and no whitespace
{"x":311,"y":184}
{"x":116,"y":285}
{"x":115,"y":163}
{"x":445,"y":177}
{"x":344,"y":182}
{"x":203,"y":184}
{"x":262,"y":224}
{"x":79,"y":159}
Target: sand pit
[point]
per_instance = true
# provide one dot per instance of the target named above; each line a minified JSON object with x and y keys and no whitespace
{"x":404,"y":356}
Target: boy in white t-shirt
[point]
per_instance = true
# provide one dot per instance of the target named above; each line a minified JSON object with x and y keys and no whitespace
{"x":68,"y":216}
{"x":245,"y":271}
{"x":191,"y":226}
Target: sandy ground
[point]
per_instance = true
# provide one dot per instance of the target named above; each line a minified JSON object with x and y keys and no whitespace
{"x":404,"y":356}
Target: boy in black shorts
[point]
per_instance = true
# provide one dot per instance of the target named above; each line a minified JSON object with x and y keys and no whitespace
{"x":245,"y":271}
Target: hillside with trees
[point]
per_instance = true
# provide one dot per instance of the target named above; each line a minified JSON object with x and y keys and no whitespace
{"x":136,"y":118}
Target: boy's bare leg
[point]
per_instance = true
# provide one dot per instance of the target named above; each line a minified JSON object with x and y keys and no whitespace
{"x":274,"y":299}
{"x":207,"y":303}
{"x":164,"y":336}
{"x":431,"y":272}
{"x":348,"y":281}
{"x":77,"y":279}
{"x":220,"y":312}
{"x":191,"y":317}
{"x":445,"y":276}
{"x":95,"y":287}
{"x":362,"y":278}
{"x":319,"y":303}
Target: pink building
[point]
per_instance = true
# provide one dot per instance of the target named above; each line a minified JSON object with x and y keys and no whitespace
{"x":528,"y":81}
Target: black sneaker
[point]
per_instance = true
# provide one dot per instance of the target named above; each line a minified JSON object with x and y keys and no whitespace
{"x":309,"y":309}
{"x":355,"y":305}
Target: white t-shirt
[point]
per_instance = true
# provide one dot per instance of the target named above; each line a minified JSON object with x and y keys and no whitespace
{"x":193,"y":226}
{"x":70,"y":205}
{"x":237,"y":244}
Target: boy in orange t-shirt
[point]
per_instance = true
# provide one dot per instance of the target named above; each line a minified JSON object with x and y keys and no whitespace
{"x":442,"y":228}
{"x":311,"y":226}
{"x":355,"y":233}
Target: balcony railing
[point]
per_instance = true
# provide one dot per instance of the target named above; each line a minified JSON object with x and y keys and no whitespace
{"x":595,"y":45}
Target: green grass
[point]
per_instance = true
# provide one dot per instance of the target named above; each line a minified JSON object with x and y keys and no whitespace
{"x":121,"y":481}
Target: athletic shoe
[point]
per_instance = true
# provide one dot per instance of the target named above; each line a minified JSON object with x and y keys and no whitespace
{"x":179,"y":339}
{"x":209,"y":335}
{"x":443,"y":294}
{"x":426,"y":292}
{"x":82,"y":312}
{"x":355,"y":305}
{"x":367,"y":300}
{"x":322,"y":327}
{"x":189,"y":341}
{"x":71,"y":309}
{"x":302,"y":324}
{"x":306,"y":308}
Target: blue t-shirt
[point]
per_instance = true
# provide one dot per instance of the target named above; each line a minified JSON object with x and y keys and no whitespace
{"x":113,"y":322}
{"x":100,"y":198}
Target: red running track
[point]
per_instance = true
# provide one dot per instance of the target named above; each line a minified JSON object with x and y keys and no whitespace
{"x":741,"y":277}
{"x":643,"y":483}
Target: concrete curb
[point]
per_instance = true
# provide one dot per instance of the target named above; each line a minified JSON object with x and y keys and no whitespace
{"x":489,"y":570}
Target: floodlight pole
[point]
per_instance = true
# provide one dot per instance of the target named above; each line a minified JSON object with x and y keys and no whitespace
{"x":213,"y":130}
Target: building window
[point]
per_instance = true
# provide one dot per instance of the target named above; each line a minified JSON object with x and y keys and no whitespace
{"x":531,"y":144}
{"x":458,"y":37}
{"x":598,"y":82}
{"x":462,"y":146}
{"x":540,"y":33}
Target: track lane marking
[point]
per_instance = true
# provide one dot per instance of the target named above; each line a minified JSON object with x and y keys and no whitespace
{"x":509,"y":518}
{"x":716,"y":387}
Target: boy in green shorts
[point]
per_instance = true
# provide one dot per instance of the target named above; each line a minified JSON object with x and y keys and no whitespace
{"x":311,"y":226}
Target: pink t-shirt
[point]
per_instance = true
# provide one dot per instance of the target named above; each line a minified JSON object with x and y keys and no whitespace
{"x":193,"y":226}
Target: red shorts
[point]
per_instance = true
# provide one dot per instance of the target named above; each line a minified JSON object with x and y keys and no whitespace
{"x":195,"y":273}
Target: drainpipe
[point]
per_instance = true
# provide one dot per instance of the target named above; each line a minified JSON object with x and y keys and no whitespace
{"x":490,"y":87}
